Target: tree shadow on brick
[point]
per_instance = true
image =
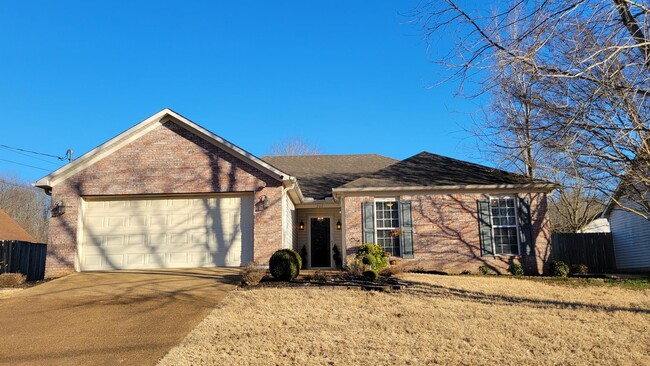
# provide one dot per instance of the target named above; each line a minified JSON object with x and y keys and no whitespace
{"x":461,"y":237}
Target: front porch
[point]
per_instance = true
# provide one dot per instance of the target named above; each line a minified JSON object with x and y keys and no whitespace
{"x":319,"y":231}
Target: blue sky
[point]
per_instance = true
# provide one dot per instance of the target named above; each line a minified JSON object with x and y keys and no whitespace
{"x":348,"y":76}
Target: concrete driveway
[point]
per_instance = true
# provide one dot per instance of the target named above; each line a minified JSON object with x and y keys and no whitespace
{"x":108,"y":318}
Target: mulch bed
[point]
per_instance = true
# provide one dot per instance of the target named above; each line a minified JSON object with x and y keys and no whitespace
{"x":384,"y":284}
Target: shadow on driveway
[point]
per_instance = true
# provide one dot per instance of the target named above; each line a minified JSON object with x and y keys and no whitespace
{"x":106,"y":318}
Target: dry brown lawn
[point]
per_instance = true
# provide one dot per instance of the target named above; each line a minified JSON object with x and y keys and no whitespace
{"x":447,"y":320}
{"x":8,"y":292}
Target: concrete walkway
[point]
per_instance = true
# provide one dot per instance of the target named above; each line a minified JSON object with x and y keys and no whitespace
{"x":108,"y":318}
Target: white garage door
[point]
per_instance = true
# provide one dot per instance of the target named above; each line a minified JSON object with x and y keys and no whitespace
{"x":167,"y":232}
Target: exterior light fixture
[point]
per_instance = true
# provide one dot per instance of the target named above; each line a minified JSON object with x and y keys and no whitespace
{"x":58,"y":209}
{"x":338,"y":225}
{"x":301,"y":226}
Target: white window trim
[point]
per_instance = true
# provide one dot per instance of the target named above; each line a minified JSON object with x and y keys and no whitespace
{"x":399,"y":220}
{"x":494,"y":247}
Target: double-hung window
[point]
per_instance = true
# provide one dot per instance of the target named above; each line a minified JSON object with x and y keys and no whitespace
{"x":387,"y":227}
{"x":505,"y":233}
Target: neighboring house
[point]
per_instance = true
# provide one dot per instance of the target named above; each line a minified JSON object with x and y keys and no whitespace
{"x":630,"y":235}
{"x":168,"y":193}
{"x":10,"y":230}
{"x":597,"y":225}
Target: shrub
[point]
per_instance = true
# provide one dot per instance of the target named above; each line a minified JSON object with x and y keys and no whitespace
{"x":252,"y":274}
{"x":355,"y":268}
{"x":336,"y":255}
{"x":579,"y":269}
{"x":285,"y":264}
{"x":369,"y":260}
{"x":560,"y":269}
{"x":516,"y":269}
{"x":371,"y":274}
{"x":303,"y":256}
{"x":375,"y":251}
{"x":12,"y":279}
{"x":484,"y":270}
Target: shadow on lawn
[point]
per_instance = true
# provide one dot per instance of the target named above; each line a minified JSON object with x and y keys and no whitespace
{"x":430,"y":290}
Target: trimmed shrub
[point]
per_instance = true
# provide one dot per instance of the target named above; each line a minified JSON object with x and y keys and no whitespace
{"x":252,"y":274}
{"x":303,"y":256}
{"x":579,"y":269}
{"x":375,"y":251}
{"x":12,"y":279}
{"x":371,"y":274}
{"x":336,"y":255}
{"x":516,"y":269}
{"x":285,"y":264}
{"x":369,"y":260}
{"x":560,"y":269}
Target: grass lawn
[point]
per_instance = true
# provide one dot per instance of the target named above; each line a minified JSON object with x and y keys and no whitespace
{"x":464,"y":320}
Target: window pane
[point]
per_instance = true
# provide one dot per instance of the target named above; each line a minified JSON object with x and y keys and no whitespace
{"x":387,"y":220}
{"x":504,"y":222}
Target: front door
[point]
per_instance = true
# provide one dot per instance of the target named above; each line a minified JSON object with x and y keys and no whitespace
{"x":321,"y":255}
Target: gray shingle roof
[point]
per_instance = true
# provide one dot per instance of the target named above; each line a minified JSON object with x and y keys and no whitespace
{"x":318,"y":174}
{"x":426,"y":169}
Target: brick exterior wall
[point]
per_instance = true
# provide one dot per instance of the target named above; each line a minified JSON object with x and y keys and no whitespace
{"x":446,"y":233}
{"x":166,"y":160}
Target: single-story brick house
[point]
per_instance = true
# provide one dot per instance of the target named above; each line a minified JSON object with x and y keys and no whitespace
{"x":167,"y":193}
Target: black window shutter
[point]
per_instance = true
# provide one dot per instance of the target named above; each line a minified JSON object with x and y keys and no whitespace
{"x":407,"y":229}
{"x":368,"y":222}
{"x":485,"y":227}
{"x":525,"y":228}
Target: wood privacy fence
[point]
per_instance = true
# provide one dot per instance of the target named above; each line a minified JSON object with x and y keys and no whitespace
{"x":595,"y":250}
{"x":23,"y":257}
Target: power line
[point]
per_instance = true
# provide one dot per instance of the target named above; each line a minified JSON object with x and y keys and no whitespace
{"x":34,"y":152}
{"x":27,"y":165}
{"x":33,"y":157}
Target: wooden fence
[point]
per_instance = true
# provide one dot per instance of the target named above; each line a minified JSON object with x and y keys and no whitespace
{"x":23,"y":257}
{"x":595,"y":250}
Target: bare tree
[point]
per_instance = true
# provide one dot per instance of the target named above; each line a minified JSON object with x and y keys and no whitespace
{"x":294,"y":145}
{"x":27,"y":205}
{"x":588,"y":62}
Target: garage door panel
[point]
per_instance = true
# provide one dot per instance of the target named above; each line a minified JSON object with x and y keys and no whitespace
{"x":167,"y":232}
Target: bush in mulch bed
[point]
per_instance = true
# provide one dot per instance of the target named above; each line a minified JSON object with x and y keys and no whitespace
{"x":285,"y":264}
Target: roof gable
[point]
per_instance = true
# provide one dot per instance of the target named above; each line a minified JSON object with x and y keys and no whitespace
{"x":10,"y":230}
{"x":133,"y":133}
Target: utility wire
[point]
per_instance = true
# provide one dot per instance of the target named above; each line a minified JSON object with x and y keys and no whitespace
{"x":30,"y":156}
{"x":27,"y":165}
{"x":33,"y":152}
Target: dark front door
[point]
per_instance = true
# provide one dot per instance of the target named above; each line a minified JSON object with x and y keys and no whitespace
{"x":321,"y":255}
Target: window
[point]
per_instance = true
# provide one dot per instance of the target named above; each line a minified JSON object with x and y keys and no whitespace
{"x":387,"y":226}
{"x":504,"y":225}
